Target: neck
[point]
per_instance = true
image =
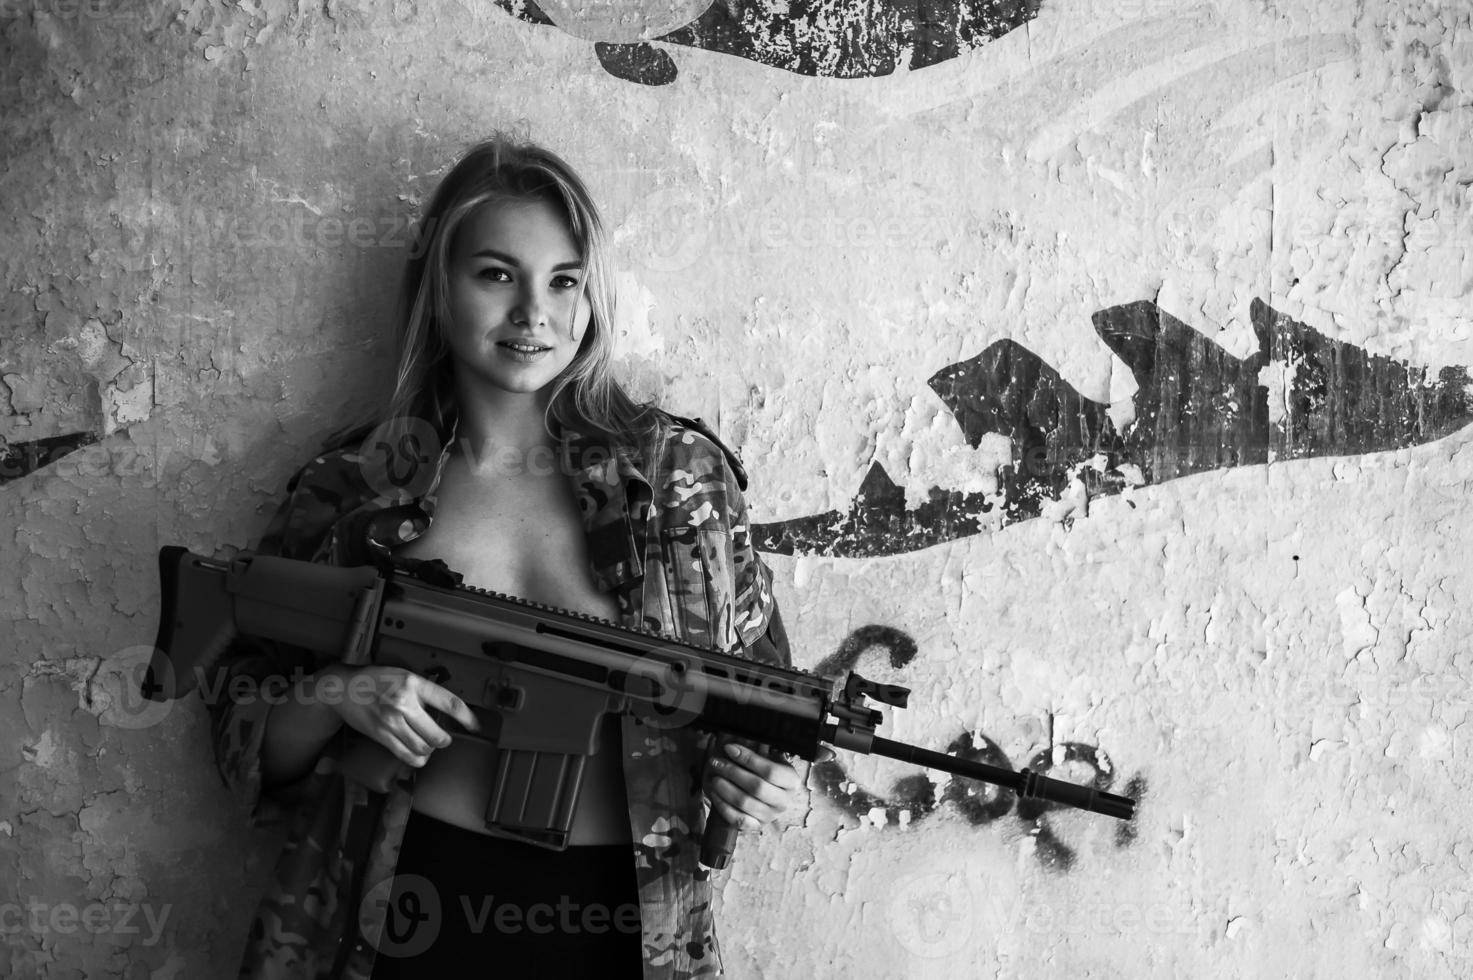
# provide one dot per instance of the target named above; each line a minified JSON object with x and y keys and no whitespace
{"x":492,"y":420}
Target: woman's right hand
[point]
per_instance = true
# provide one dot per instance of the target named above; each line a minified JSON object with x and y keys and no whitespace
{"x":393,"y":707}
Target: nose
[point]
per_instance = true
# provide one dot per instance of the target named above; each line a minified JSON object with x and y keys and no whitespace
{"x":531,"y":307}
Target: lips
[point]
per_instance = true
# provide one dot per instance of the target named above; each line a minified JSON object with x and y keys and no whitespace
{"x":523,"y":347}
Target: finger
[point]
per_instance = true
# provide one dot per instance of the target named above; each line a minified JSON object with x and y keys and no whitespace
{"x":420,"y":736}
{"x":773,"y":797}
{"x":720,"y":788}
{"x":425,"y":725}
{"x":406,"y":748}
{"x":776,"y":772}
{"x":749,"y":783}
{"x":722,"y":794}
{"x":440,"y":697}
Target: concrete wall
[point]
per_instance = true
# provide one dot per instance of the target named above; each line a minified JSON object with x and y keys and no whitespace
{"x":1099,"y":366}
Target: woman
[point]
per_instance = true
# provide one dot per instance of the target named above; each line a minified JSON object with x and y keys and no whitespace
{"x":551,"y":484}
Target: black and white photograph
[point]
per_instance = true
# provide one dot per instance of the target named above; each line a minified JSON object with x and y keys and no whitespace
{"x":680,"y":489}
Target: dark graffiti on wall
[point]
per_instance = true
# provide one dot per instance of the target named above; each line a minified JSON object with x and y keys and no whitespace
{"x":843,"y":39}
{"x":19,"y":458}
{"x":915,"y":797}
{"x":1197,"y":408}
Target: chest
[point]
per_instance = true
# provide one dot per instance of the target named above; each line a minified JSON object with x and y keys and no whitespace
{"x":522,"y":536}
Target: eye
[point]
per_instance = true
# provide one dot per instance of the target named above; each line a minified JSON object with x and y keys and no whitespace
{"x":565,"y":282}
{"x":493,"y":273}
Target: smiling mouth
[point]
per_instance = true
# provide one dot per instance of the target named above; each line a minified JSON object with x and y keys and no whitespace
{"x":522,"y":348}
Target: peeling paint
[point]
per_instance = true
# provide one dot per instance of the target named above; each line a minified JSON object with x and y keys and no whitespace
{"x":1113,"y":354}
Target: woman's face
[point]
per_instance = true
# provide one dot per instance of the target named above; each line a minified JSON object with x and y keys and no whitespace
{"x":518,"y":312}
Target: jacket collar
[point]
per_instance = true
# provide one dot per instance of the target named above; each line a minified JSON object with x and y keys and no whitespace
{"x":613,"y":493}
{"x":584,"y":456}
{"x":592,"y":457}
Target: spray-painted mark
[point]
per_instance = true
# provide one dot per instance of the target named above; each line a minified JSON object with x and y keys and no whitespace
{"x":980,"y":803}
{"x":1052,"y":852}
{"x":914,"y":797}
{"x":1136,"y":788}
{"x":20,"y":458}
{"x":1197,"y":408}
{"x":843,"y":39}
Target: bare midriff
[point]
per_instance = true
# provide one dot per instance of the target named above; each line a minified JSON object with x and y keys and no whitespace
{"x":518,"y":533}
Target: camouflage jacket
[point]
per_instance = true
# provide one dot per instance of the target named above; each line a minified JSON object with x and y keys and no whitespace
{"x":667,"y":539}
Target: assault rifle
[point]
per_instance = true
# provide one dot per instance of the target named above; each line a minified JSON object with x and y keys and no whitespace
{"x":539,"y":679}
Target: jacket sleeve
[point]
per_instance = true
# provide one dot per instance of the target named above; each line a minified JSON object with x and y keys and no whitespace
{"x":757,"y":620}
{"x":253,"y":674}
{"x":772,"y":645}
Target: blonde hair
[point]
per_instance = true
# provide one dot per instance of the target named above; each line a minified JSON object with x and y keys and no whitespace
{"x":586,"y":396}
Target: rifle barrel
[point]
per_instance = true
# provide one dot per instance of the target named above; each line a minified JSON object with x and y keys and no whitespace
{"x":1028,"y":785}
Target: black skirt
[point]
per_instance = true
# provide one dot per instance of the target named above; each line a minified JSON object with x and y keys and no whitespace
{"x":468,"y":905}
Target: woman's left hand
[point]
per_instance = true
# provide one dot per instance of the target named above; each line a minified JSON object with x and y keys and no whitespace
{"x":749,"y":789}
